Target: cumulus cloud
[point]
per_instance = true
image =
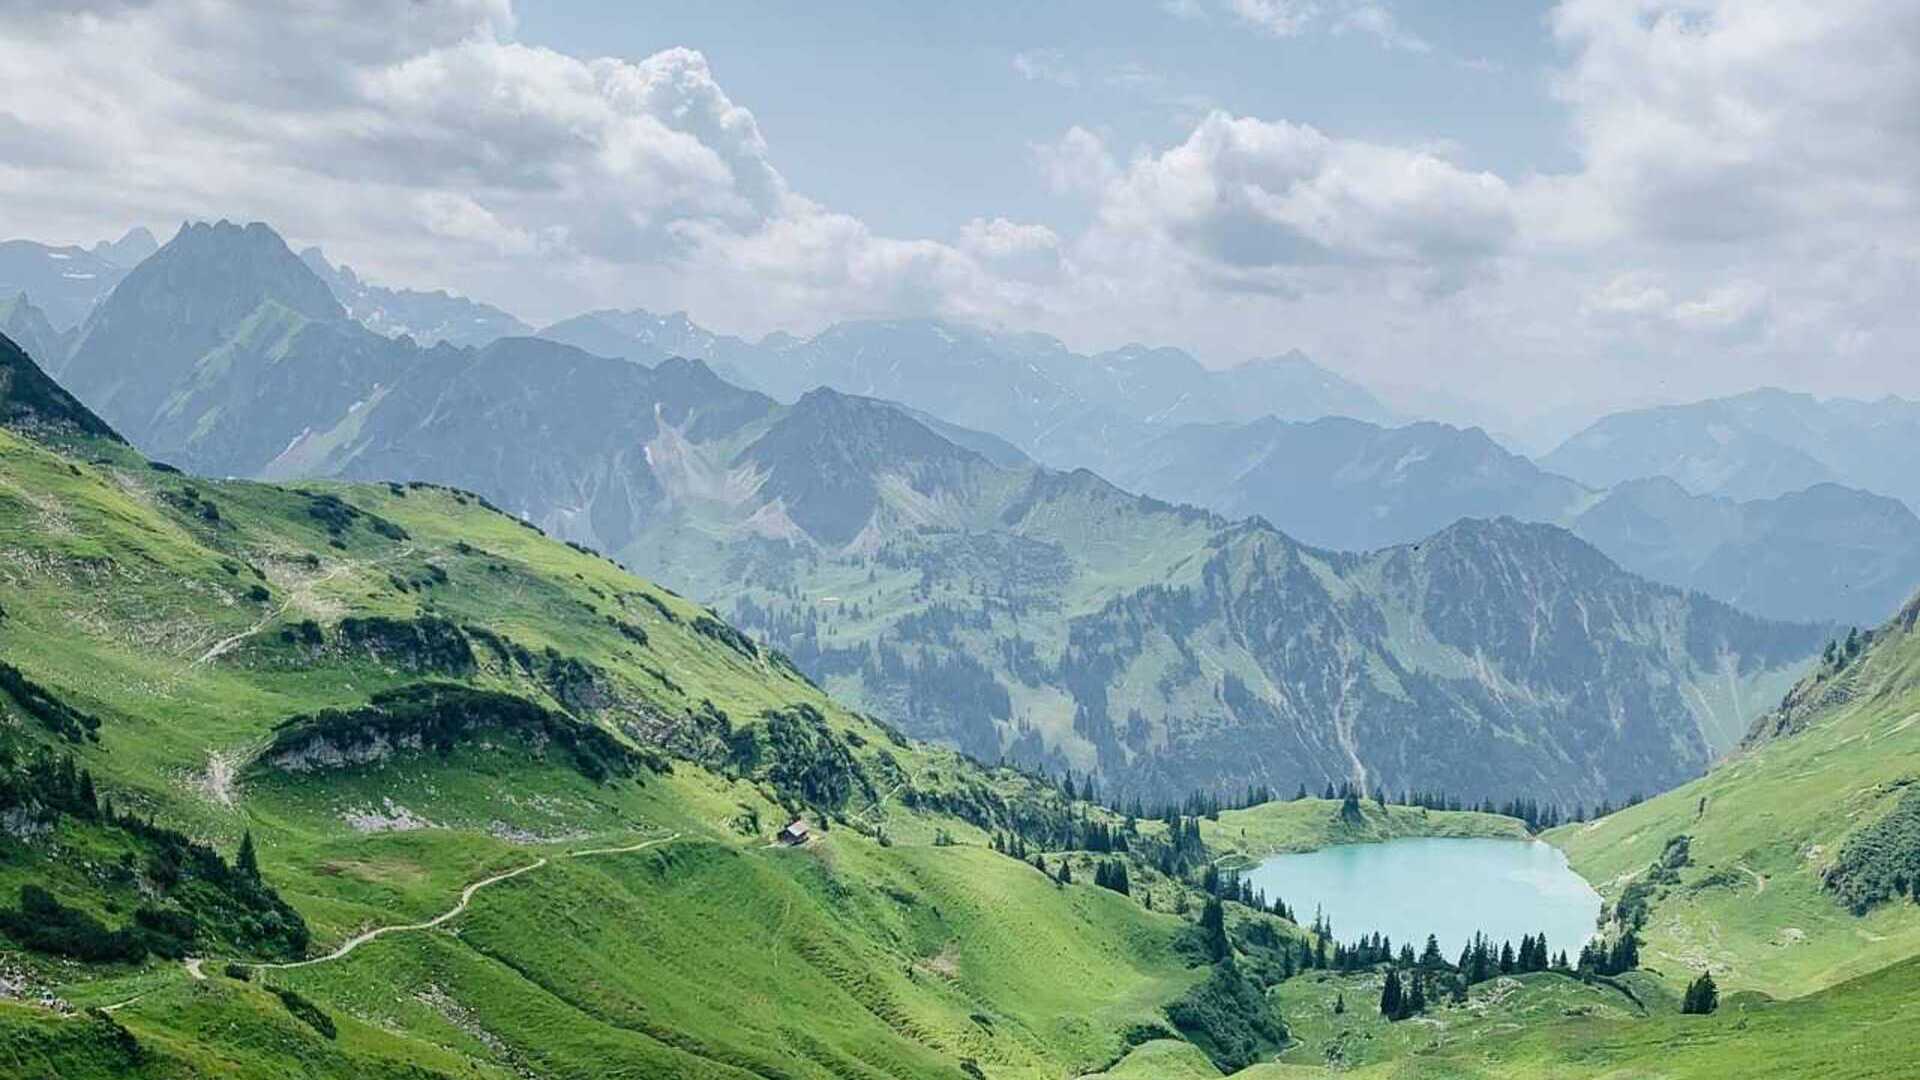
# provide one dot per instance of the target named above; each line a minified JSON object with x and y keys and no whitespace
{"x":1719,"y":120}
{"x":414,"y":138}
{"x":1253,"y":194}
{"x":1741,"y":208}
{"x":1639,"y":300}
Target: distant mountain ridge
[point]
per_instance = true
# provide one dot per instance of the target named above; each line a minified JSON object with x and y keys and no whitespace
{"x":1344,"y":483}
{"x":1756,"y":445}
{"x":1065,"y":408}
{"x":65,"y":281}
{"x":949,"y":583}
{"x":427,"y":317}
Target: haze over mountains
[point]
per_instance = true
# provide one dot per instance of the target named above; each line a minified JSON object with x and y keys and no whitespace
{"x":941,"y":578}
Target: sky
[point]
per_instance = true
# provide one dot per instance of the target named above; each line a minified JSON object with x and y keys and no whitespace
{"x":1518,"y":214}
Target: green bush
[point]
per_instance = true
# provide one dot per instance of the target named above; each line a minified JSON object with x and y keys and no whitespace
{"x":305,"y":1011}
{"x":43,"y":924}
{"x":1229,"y":1019}
{"x":1881,"y":862}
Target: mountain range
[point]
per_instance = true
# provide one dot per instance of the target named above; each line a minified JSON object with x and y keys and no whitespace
{"x":1756,"y":445}
{"x":374,"y":780}
{"x":1284,"y":439}
{"x":65,"y":281}
{"x":1826,"y":553}
{"x":947,"y":582}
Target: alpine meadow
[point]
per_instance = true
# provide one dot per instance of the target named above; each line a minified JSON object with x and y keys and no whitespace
{"x":1201,"y":539}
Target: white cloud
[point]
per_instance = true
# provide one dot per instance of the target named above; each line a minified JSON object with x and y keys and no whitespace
{"x":1379,"y":23}
{"x":1293,"y":18}
{"x":1719,"y":120}
{"x":1046,"y":65}
{"x":1639,"y":300}
{"x":1276,"y":18}
{"x":1755,"y":163}
{"x":1075,"y":163}
{"x":1248,"y":194}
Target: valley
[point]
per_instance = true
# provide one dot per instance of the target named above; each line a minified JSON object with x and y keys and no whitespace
{"x":1192,"y":540}
{"x":438,"y":727}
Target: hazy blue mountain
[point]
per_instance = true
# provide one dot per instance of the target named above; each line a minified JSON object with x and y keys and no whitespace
{"x":1828,"y":553}
{"x":1167,"y":386}
{"x":30,"y":328}
{"x":427,"y":317}
{"x":1062,"y":407}
{"x":1344,"y":483}
{"x":1754,"y":446}
{"x":949,"y":583}
{"x":133,"y":248}
{"x":213,"y":326}
{"x":64,"y":282}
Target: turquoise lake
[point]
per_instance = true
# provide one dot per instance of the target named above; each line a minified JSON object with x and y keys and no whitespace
{"x":1407,"y":889}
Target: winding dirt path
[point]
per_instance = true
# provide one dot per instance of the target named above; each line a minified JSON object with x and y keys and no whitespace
{"x":295,"y":592}
{"x":466,"y":898}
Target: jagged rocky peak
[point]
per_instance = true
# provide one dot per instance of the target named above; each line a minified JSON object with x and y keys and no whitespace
{"x":218,"y":272}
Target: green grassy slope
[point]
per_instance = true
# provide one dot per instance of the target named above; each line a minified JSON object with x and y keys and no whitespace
{"x":1764,"y":829}
{"x":196,"y":619}
{"x":253,"y":657}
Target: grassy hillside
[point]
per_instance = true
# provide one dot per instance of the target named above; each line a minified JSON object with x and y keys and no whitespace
{"x":377,"y":781}
{"x":1767,"y":828}
{"x":397,"y":692}
{"x":1548,"y":1027}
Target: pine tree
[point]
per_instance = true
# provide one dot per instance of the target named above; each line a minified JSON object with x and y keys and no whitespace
{"x":1339,"y":1004}
{"x":246,"y":862}
{"x":1430,"y":957}
{"x":1390,"y":996}
{"x":1417,"y":1000}
{"x":1213,"y":926}
{"x":1702,"y":996}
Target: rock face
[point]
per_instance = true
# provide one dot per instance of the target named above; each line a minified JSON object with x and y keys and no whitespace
{"x":941,"y":579}
{"x":32,"y":403}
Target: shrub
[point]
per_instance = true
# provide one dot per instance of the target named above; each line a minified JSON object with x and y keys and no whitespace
{"x":1229,"y":1019}
{"x":305,"y":1011}
{"x":43,"y":924}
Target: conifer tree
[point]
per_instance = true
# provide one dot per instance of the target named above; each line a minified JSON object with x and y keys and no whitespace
{"x":247,"y":862}
{"x":1702,"y":996}
{"x":1430,"y":957}
{"x":1390,"y":996}
{"x":1417,"y":999}
{"x":1213,"y":926}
